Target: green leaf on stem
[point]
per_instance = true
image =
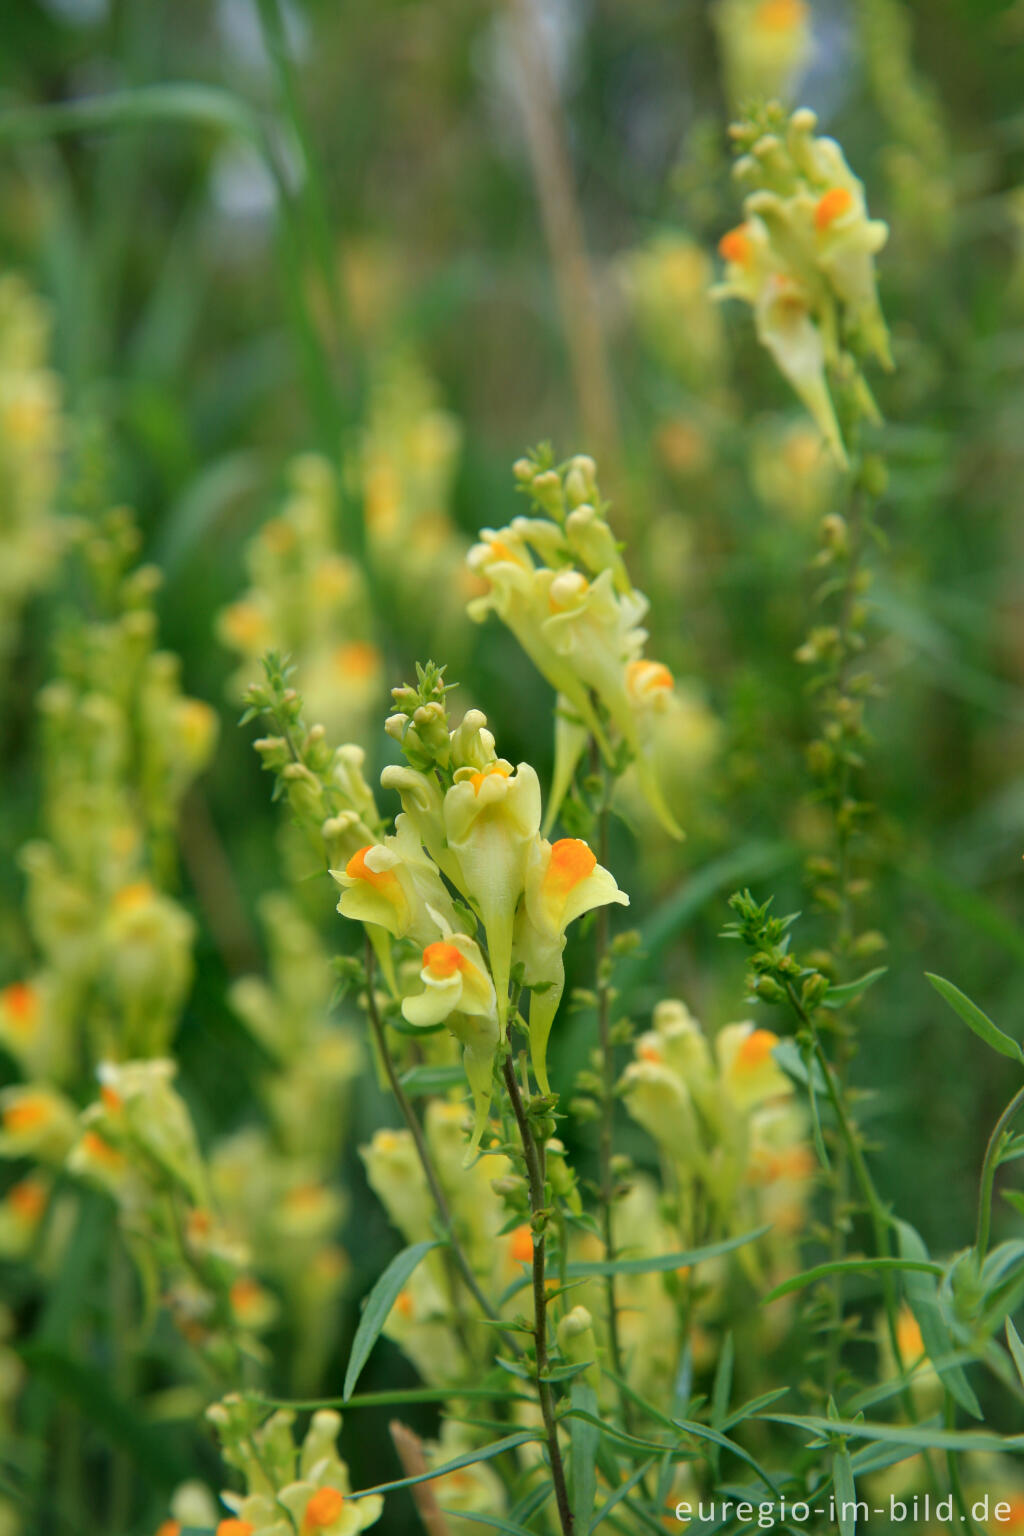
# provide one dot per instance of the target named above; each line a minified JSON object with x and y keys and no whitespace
{"x":468,"y":1459}
{"x":584,"y":1440}
{"x":1013,"y":1339}
{"x":973,"y":1017}
{"x":846,"y":1267}
{"x":922,"y":1293}
{"x":925,"y":1437}
{"x":846,"y":1491}
{"x":378,"y":1309}
{"x":838,"y":997}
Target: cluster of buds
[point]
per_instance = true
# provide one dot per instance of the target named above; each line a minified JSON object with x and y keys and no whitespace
{"x":719,"y":1115}
{"x":467,"y":880}
{"x":327,"y":791}
{"x":558,"y":581}
{"x":309,"y":601}
{"x":765,"y":47}
{"x":803,"y":259}
{"x":32,"y":535}
{"x":120,"y":744}
{"x":290,"y":1488}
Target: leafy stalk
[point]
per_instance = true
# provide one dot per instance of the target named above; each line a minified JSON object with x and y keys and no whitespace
{"x":533,"y":1156}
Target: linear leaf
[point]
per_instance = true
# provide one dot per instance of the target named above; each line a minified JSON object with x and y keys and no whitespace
{"x":182,"y":102}
{"x":663,"y":1261}
{"x":838,"y":997}
{"x":720,"y":1394}
{"x":1016,"y":1348}
{"x":378,"y":1308}
{"x":974,"y":1018}
{"x":391,"y":1399}
{"x":702,"y":1432}
{"x":921,"y":1436}
{"x":922,"y":1293}
{"x":846,"y":1491}
{"x":620,"y":1493}
{"x":584,"y":1440}
{"x":468,"y":1459}
{"x":492,"y":1521}
{"x":847,"y":1267}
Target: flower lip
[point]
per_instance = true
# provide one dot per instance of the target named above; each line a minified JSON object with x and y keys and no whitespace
{"x":27,"y":1199}
{"x":735,"y":246}
{"x":831,"y":206}
{"x":572,"y":860}
{"x":756,"y":1049}
{"x":323,"y":1509}
{"x":477,"y":779}
{"x":20,"y":1001}
{"x":520,"y":1242}
{"x":357,"y":868}
{"x":645,"y":677}
{"x":27,"y":1114}
{"x":780,"y":15}
{"x":442,"y":961}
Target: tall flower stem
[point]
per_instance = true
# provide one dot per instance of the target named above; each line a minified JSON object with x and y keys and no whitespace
{"x":835,"y":759}
{"x":858,"y":1164}
{"x":423,"y":1153}
{"x":607,"y":1123}
{"x":533,"y":1156}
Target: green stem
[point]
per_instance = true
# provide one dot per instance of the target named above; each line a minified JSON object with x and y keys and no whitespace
{"x":607,"y":1125}
{"x":862,"y":1174}
{"x":533,"y":1156}
{"x":988,"y":1172}
{"x":953,"y":1469}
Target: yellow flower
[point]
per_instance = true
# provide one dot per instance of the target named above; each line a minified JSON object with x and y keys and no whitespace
{"x":394,"y":886}
{"x":492,"y":820}
{"x":563,"y":881}
{"x":458,"y":990}
{"x":748,"y":1069}
{"x":455,"y":977}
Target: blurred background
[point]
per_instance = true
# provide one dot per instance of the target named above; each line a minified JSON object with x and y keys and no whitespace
{"x":414,"y":239}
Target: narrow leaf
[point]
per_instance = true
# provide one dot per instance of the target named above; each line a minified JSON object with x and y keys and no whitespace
{"x":658,"y":1263}
{"x":974,"y":1018}
{"x":174,"y":102}
{"x":922,"y":1436}
{"x":584,"y":1439}
{"x":847,"y":1267}
{"x":922,"y":1293}
{"x":1013,"y":1339}
{"x":468,"y":1459}
{"x":838,"y":997}
{"x":378,"y":1309}
{"x":846,"y":1491}
{"x":493,"y":1521}
{"x":620,"y":1493}
{"x":720,"y":1394}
